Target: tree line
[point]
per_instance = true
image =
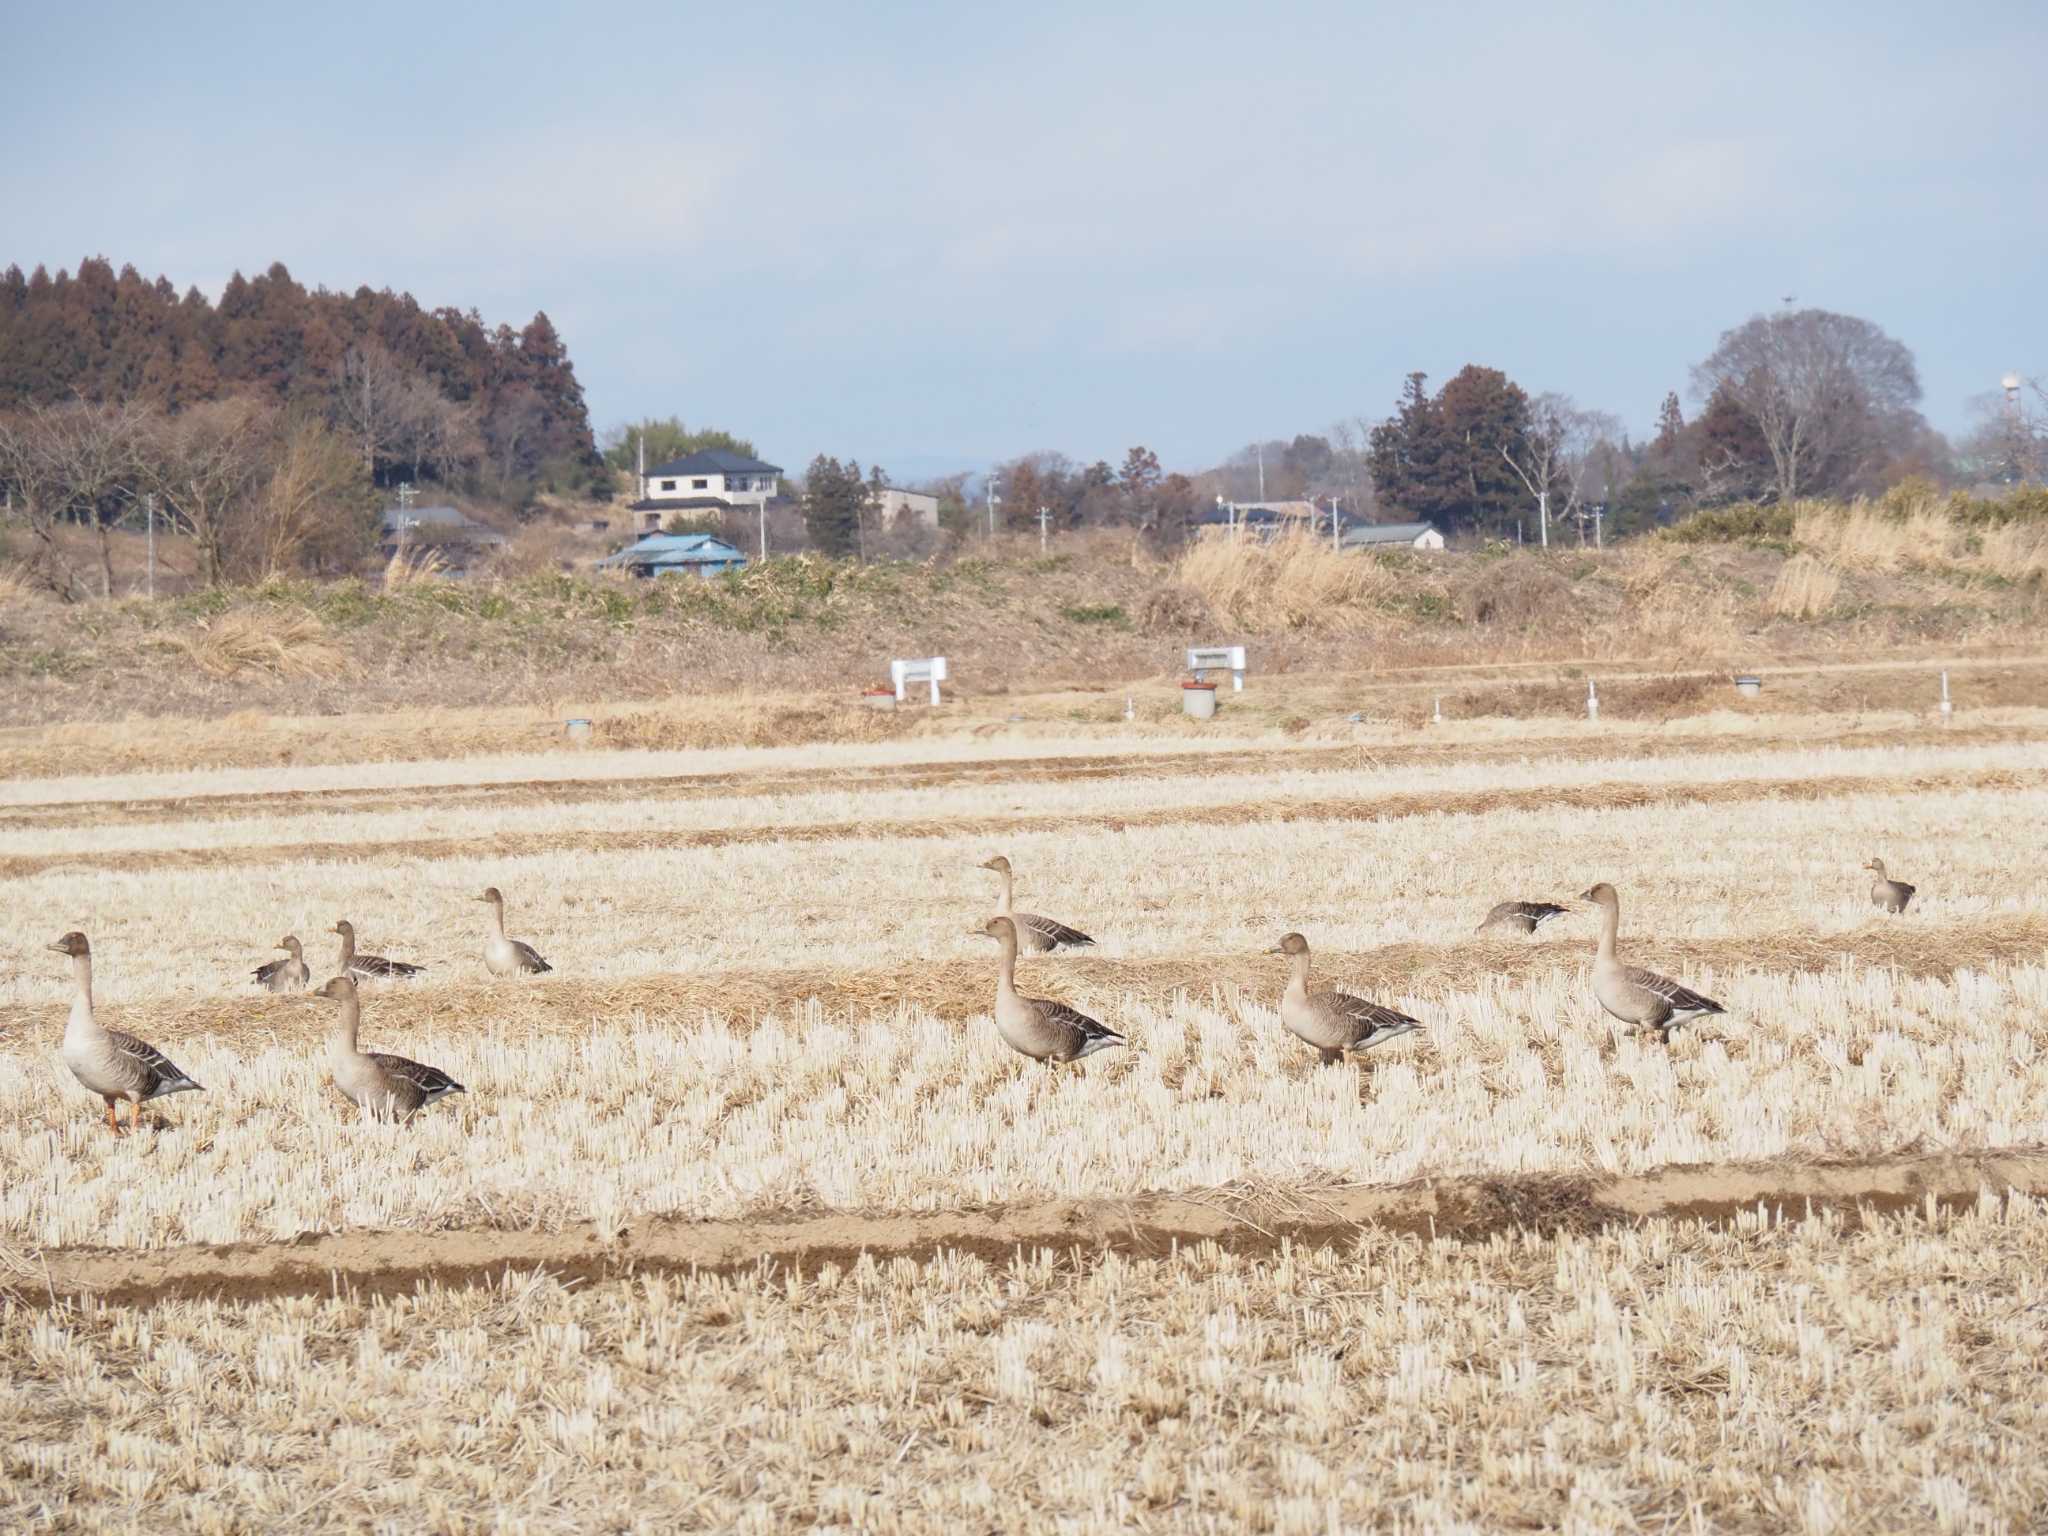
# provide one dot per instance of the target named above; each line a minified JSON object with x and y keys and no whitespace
{"x":419,"y":395}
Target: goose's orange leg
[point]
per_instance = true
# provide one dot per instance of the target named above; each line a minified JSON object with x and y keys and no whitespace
{"x":113,"y":1122}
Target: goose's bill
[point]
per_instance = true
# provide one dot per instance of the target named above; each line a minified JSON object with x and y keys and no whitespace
{"x":972,"y":933}
{"x":1275,"y":949}
{"x":335,"y":929}
{"x":986,"y":864}
{"x":479,"y":898}
{"x":57,"y":949}
{"x":1585,"y":895}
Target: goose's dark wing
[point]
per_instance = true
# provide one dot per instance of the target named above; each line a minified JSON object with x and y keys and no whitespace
{"x":266,"y":972}
{"x":1373,"y":1016}
{"x":529,"y":958}
{"x":431,"y":1082}
{"x":1681,"y":997}
{"x":377,"y":965}
{"x":1069,"y":1017}
{"x":160,"y":1073}
{"x":1059,"y":934}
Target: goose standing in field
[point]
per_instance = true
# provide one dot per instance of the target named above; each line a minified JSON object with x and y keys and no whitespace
{"x":1523,"y":917}
{"x":1035,"y":1026}
{"x":288,"y":974}
{"x":1632,"y":994}
{"x":367,"y":967}
{"x":110,"y":1062}
{"x":1333,"y":1022}
{"x":1035,"y":935}
{"x":387,"y":1087}
{"x":503,"y":956}
{"x":1891,"y":895}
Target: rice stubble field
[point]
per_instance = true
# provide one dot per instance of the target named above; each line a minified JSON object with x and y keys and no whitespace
{"x":749,"y":1218}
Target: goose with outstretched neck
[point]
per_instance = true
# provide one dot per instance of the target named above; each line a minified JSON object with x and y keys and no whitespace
{"x":1632,"y":994}
{"x":110,"y":1062}
{"x":384,"y":1086}
{"x":1333,"y":1022}
{"x":1036,"y":935}
{"x":503,"y":956}
{"x":1036,"y":1026}
{"x":367,"y":967}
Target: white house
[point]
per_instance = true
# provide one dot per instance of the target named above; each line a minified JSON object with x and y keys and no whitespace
{"x":1392,"y":536}
{"x":916,"y":505}
{"x":710,"y":480}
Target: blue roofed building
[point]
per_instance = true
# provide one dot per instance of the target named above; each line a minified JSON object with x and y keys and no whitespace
{"x":675,"y":554}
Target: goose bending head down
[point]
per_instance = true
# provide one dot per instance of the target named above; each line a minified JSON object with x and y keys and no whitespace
{"x":288,"y":974}
{"x":1887,"y":894}
{"x":1333,"y":1022}
{"x":1632,"y":994}
{"x":1038,"y":1027}
{"x":111,"y":1062}
{"x":1523,"y":917}
{"x":383,"y":1086}
{"x":503,"y":956}
{"x":367,"y":967}
{"x":1036,"y":935}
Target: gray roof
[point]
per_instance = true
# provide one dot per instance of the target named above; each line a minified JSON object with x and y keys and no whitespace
{"x":714,"y":461}
{"x":451,"y":519}
{"x":677,"y":549}
{"x":1386,"y":533}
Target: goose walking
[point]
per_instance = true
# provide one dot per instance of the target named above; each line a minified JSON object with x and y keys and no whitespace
{"x":503,"y":956}
{"x":1523,"y":917}
{"x":110,"y":1062}
{"x":1886,"y":893}
{"x":1035,"y":1026}
{"x":287,"y":973}
{"x":1333,"y":1022}
{"x":367,"y":967}
{"x":1035,"y":935}
{"x":387,"y":1087}
{"x":1632,"y":994}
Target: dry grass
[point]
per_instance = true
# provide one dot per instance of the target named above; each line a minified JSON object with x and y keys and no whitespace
{"x":1912,"y":532}
{"x":1805,"y":589}
{"x":1817,"y":1377}
{"x":1293,"y":582}
{"x":244,"y":642}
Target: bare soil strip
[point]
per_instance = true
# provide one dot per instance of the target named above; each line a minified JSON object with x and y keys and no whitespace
{"x":1252,"y":1221}
{"x":937,"y":775}
{"x":962,"y":988}
{"x":1268,"y":812}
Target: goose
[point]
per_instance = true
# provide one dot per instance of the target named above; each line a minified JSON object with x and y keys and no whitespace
{"x":1632,"y":994}
{"x":1035,"y":1026}
{"x":367,"y":967}
{"x":110,"y":1062}
{"x":288,"y":974}
{"x":1523,"y":917}
{"x":1333,"y":1022}
{"x":503,"y":956}
{"x":387,"y":1087}
{"x":1891,"y":895}
{"x":1035,"y":935}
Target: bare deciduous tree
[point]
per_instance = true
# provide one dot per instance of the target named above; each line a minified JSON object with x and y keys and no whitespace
{"x":73,"y":461}
{"x":209,"y":465}
{"x":1824,"y":389}
{"x":314,"y":503}
{"x":1555,"y":454}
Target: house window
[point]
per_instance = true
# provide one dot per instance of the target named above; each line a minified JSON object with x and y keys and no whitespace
{"x":668,"y":485}
{"x":700,"y":485}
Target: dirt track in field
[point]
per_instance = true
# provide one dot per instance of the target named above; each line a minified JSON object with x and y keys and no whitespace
{"x":1370,"y":808}
{"x":939,"y":775}
{"x":558,"y":1005}
{"x":1251,"y":1221}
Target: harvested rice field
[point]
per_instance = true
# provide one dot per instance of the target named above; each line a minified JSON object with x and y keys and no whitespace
{"x":750,"y":1219}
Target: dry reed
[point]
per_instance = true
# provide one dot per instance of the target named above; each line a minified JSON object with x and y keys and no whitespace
{"x":246,"y":641}
{"x":1294,"y":581}
{"x":1805,"y":589}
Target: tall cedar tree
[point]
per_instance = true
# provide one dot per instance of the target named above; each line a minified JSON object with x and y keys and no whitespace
{"x":1439,"y":459}
{"x":834,"y":496}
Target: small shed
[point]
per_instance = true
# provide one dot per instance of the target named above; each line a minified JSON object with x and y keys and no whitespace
{"x":1393,"y":536}
{"x":676,"y":554}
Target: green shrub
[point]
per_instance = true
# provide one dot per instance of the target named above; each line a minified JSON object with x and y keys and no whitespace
{"x":1742,"y":522}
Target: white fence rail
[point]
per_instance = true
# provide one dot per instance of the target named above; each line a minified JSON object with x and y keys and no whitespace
{"x":929,"y":669}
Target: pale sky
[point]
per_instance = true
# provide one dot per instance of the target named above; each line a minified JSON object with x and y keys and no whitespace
{"x":940,"y":235}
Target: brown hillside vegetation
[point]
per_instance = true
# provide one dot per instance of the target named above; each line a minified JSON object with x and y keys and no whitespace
{"x":1811,"y":583}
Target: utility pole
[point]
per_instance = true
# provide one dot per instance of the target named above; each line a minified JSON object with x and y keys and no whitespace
{"x":763,"y":505}
{"x":149,"y":511}
{"x":640,"y":442}
{"x":993,"y":498}
{"x":1044,"y":517}
{"x":1336,"y":525}
{"x":1262,"y":471}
